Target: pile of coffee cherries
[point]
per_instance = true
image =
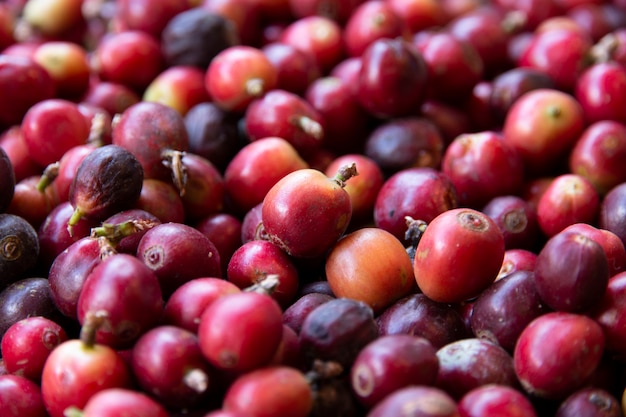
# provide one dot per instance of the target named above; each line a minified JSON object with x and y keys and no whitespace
{"x":312,"y":208}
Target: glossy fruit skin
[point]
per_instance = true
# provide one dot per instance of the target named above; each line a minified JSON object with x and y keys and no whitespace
{"x":401,"y":87}
{"x":611,"y":211}
{"x":560,"y":53}
{"x":495,"y":399}
{"x":407,"y":142}
{"x":370,"y":22}
{"x":186,"y":304}
{"x":108,"y":180}
{"x":256,"y":260}
{"x":568,"y":199}
{"x":47,"y":145}
{"x":240,"y":331}
{"x":509,"y":85}
{"x":27,"y":344}
{"x":289,"y":393}
{"x":20,"y":397}
{"x":25,"y":298}
{"x":454,"y":66}
{"x":352,"y":272}
{"x":543,"y":125}
{"x":390,"y":363}
{"x":129,"y":292}
{"x":460,"y":361}
{"x":256,"y":168}
{"x":606,"y":80}
{"x":496,"y":168}
{"x":505,"y":308}
{"x":68,"y":272}
{"x":280,"y":113}
{"x":337,"y":330}
{"x":146,"y":129}
{"x":178,"y":253}
{"x":19,"y":248}
{"x":112,"y":402}
{"x":572,"y":272}
{"x":15,"y":104}
{"x":598,"y":153}
{"x":306,"y":212}
{"x":75,"y":371}
{"x":422,"y":193}
{"x":590,"y":401}
{"x":556,"y":370}
{"x":473,"y":240}
{"x":418,"y":315}
{"x":419,"y":401}
{"x":130,"y":57}
{"x":230,"y":73}
{"x":168,"y":364}
{"x":610,"y":315}
{"x":517,"y":218}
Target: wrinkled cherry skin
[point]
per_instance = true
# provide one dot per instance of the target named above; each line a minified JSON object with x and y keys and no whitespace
{"x":556,"y":369}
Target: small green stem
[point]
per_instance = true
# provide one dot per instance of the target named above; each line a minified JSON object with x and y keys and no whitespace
{"x":74,"y":218}
{"x":49,"y":174}
{"x":345,"y":173}
{"x":73,"y":412}
{"x":93,"y":321}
